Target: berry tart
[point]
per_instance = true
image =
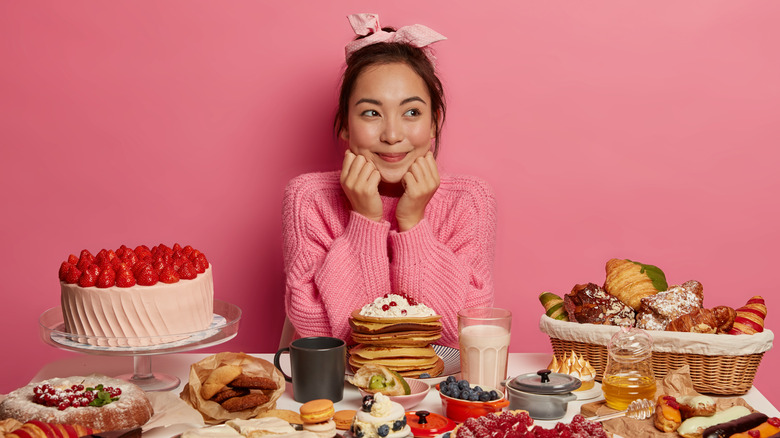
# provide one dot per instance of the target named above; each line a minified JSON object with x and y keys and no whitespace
{"x":518,"y":424}
{"x":136,"y":297}
{"x":97,"y":402}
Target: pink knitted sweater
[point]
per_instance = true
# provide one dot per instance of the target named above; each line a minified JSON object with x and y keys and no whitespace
{"x":337,"y":260}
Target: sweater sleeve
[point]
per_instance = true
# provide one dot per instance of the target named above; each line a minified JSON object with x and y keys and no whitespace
{"x":335,"y":260}
{"x":449,"y":266}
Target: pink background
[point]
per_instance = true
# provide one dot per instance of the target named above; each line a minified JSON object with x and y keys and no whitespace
{"x":642,"y":130}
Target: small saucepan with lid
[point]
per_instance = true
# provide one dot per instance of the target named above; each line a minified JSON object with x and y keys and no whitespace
{"x":544,"y":394}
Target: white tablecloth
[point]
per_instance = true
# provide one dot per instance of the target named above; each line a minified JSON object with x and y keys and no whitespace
{"x":179,"y":365}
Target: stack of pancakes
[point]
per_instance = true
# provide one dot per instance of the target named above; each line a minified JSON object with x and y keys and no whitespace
{"x":402,"y":344}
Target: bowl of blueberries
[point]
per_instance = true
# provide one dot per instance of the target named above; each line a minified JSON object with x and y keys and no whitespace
{"x":461,"y":400}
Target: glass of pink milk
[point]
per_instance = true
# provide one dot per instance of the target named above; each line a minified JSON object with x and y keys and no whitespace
{"x":483,"y":334}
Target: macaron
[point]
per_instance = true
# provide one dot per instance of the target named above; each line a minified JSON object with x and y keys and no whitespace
{"x":344,"y":418}
{"x":325,"y":429}
{"x":317,"y":411}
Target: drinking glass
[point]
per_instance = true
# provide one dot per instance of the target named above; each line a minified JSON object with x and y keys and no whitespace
{"x":483,"y":334}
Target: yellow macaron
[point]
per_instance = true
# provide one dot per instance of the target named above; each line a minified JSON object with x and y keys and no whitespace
{"x":317,"y":411}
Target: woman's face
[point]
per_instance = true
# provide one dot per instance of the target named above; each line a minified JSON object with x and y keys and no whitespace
{"x":389,"y":120}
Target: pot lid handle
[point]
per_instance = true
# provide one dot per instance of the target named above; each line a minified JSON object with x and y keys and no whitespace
{"x":545,"y":375}
{"x":421,"y":417}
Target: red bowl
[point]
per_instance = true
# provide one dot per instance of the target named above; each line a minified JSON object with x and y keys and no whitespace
{"x":461,"y":410}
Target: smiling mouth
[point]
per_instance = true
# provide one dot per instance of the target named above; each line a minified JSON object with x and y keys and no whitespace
{"x":392,"y":158}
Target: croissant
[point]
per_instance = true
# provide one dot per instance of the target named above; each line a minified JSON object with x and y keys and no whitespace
{"x":697,"y":321}
{"x":750,"y":317}
{"x":553,"y":306}
{"x":631,"y":281}
{"x":725,"y":317}
{"x":39,"y":429}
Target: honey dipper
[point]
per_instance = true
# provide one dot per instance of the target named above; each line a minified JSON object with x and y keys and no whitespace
{"x":638,"y":409}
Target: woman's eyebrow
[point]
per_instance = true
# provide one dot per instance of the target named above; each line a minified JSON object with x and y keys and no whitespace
{"x":371,"y":101}
{"x":412,"y":99}
{"x":378,"y":103}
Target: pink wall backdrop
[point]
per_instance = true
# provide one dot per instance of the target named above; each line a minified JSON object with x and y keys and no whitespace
{"x":642,"y":130}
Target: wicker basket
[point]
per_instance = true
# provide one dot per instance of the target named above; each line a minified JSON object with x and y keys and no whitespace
{"x":719,"y":364}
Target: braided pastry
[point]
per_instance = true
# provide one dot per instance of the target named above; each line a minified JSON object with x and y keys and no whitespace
{"x":39,"y":429}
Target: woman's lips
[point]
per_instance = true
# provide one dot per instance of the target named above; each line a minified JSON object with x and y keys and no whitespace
{"x":392,"y":158}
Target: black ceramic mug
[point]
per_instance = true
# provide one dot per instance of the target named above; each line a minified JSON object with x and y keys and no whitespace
{"x":317,"y":368}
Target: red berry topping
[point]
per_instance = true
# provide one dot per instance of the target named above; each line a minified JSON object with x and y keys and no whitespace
{"x":187,"y":271}
{"x":85,"y":259}
{"x":385,"y":307}
{"x":403,"y":311}
{"x":168,"y":275}
{"x":146,"y":275}
{"x":393,"y":304}
{"x":89,"y":276}
{"x":124,"y":277}
{"x":774,"y":421}
{"x":64,"y":268}
{"x":73,"y":260}
{"x":754,"y":433}
{"x":107,"y":277}
{"x":73,"y":275}
{"x":673,"y":403}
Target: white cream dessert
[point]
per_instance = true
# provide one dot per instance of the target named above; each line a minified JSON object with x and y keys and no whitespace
{"x":575,"y":366}
{"x":380,"y":417}
{"x":393,"y":305}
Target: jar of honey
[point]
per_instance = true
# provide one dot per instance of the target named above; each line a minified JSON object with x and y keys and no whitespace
{"x":629,"y":372}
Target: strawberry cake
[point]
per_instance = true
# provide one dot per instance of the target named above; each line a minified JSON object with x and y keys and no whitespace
{"x":136,"y":297}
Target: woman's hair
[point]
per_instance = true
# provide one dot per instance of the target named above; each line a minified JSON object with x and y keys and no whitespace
{"x":389,"y":53}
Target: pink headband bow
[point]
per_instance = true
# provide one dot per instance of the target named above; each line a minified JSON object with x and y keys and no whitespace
{"x":415,"y":35}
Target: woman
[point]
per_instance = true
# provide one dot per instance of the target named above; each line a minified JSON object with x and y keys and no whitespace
{"x":387,"y":222}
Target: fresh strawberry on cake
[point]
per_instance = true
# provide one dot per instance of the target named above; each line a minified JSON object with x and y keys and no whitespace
{"x":141,"y":296}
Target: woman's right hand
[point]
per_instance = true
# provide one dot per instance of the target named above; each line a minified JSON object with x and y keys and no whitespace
{"x":360,"y":182}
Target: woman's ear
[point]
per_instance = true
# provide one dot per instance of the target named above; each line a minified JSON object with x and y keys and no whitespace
{"x":344,"y":134}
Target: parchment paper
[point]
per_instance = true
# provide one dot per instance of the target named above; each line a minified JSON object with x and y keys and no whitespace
{"x":677,"y":383}
{"x":214,"y":413}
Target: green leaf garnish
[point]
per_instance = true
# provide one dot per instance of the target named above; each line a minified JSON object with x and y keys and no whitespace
{"x":655,"y":274}
{"x":102,"y":398}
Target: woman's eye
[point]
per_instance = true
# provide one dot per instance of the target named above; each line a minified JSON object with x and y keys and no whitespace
{"x":370,"y":113}
{"x":412,"y":112}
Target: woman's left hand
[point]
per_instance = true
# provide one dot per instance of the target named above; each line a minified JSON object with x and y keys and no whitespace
{"x":420,"y":183}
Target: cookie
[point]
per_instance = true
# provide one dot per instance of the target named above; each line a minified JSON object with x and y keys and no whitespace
{"x":343,"y":418}
{"x":317,"y":411}
{"x":287,"y":415}
{"x":229,"y":393}
{"x":218,"y":380}
{"x":241,"y":403}
{"x":253,"y":382}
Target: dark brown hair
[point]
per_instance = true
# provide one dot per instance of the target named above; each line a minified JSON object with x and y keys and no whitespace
{"x":389,"y":53}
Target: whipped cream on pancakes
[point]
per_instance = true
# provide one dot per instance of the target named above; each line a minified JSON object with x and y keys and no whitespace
{"x":393,"y":305}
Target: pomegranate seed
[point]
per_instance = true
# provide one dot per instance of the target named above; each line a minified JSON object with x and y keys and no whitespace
{"x":393,"y":304}
{"x":385,"y":307}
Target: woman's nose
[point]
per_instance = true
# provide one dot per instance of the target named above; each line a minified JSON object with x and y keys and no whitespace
{"x":392,"y":132}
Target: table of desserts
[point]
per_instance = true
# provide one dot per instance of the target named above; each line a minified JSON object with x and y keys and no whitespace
{"x":179,"y":365}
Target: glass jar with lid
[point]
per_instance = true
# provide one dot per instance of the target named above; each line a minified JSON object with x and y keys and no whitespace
{"x":629,"y":372}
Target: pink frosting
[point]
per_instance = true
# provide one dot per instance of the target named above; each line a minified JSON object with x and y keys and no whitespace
{"x":138,"y":315}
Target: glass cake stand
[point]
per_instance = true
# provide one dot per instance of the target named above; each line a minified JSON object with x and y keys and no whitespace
{"x":224,"y":327}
